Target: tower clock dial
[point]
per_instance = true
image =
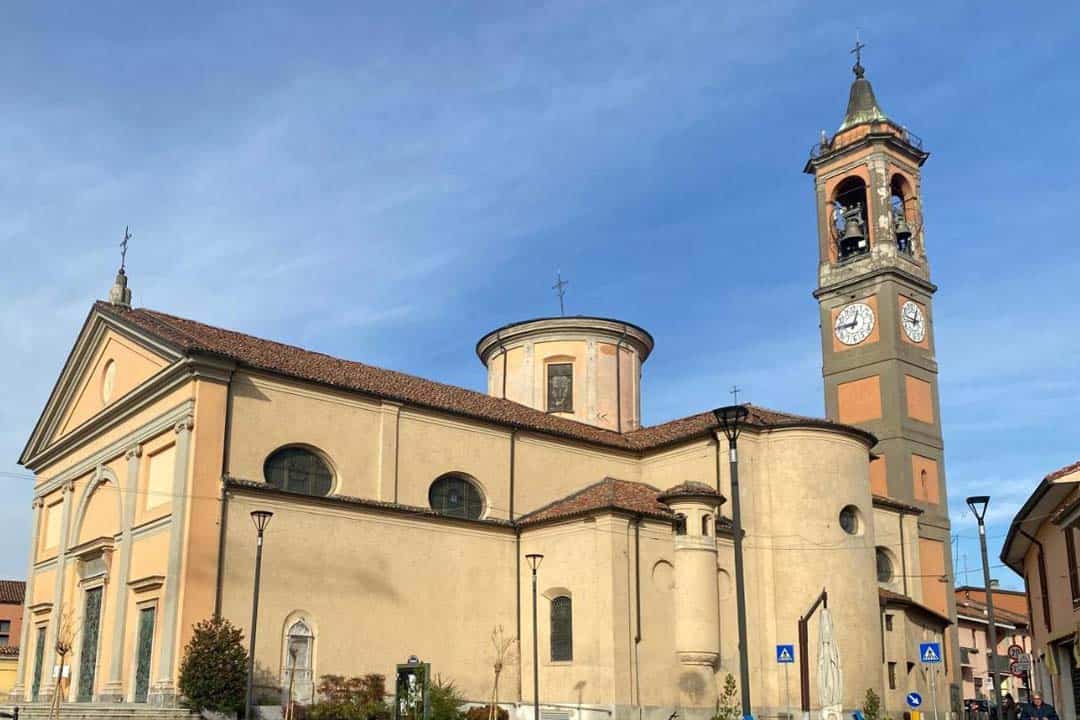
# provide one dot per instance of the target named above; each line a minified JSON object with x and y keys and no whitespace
{"x":854,"y":323}
{"x":913,"y":321}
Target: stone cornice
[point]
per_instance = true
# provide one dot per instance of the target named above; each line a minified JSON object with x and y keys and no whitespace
{"x":519,"y":332}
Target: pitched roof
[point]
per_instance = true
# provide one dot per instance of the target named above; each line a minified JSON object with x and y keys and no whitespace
{"x":12,"y":592}
{"x":1062,"y":472}
{"x":888,"y":597}
{"x":190,"y":336}
{"x":609,"y":493}
{"x":978,"y":609}
{"x":690,"y":490}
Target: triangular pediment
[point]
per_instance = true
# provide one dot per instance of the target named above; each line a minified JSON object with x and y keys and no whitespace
{"x":109,"y":361}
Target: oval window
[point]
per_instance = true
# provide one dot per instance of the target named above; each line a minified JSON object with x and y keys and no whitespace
{"x":456,"y":495}
{"x":298,"y":470}
{"x":849,"y":520}
{"x":884,"y":566}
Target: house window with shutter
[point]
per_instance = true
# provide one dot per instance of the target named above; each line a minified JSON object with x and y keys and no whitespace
{"x":562,"y":630}
{"x":1070,"y":552}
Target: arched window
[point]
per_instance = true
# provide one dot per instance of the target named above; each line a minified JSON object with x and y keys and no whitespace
{"x":904,"y":213}
{"x":562,"y":629}
{"x":680,"y":524}
{"x":457,"y":496}
{"x":297,"y":676}
{"x":298,"y":470}
{"x":884,"y":566}
{"x":706,"y":524}
{"x":850,"y":219}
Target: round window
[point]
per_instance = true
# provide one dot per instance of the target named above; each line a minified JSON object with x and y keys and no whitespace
{"x":298,"y":470}
{"x":456,"y":495}
{"x":849,"y":520}
{"x":884,"y":566}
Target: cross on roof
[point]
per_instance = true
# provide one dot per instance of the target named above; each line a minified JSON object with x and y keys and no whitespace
{"x":123,"y":247}
{"x":560,"y":289}
{"x":735,"y":390}
{"x":857,"y":51}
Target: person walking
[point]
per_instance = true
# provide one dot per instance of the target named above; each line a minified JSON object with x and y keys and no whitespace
{"x":1009,"y":709}
{"x":1038,"y":709}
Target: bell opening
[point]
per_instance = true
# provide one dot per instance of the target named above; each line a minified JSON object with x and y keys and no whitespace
{"x":849,"y":218}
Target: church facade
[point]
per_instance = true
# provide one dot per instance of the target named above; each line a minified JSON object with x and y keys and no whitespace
{"x":404,"y":509}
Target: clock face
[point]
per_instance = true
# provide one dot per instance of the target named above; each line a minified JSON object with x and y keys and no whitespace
{"x":854,"y":323}
{"x":913,"y":321}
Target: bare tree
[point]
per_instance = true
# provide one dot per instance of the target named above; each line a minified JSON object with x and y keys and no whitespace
{"x":505,"y":653}
{"x":66,"y":633}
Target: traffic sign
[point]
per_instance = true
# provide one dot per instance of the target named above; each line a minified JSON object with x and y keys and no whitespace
{"x":1015,"y":651}
{"x":785,"y":654}
{"x":930,"y":653}
{"x":914,"y":700}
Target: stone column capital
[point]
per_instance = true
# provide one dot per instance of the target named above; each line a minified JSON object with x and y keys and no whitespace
{"x":187,"y":423}
{"x":133,"y":452}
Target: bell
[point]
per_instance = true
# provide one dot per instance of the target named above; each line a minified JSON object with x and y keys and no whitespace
{"x":854,"y":239}
{"x":903,"y":230}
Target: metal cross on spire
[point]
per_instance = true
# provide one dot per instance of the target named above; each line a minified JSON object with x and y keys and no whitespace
{"x":857,"y":51}
{"x":123,"y":247}
{"x":735,"y":390}
{"x":560,"y":289}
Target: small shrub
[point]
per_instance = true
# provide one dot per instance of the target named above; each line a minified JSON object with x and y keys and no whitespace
{"x":484,"y":712}
{"x":446,"y":700}
{"x":727,"y":707}
{"x":213,"y":673}
{"x":355,"y":698}
{"x":871,"y":705}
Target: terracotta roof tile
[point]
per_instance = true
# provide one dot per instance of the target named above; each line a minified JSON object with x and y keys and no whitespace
{"x":1062,"y":472}
{"x":690,"y":489}
{"x":12,"y":592}
{"x":888,"y":596}
{"x":190,"y":336}
{"x":978,"y":608}
{"x":609,"y":493}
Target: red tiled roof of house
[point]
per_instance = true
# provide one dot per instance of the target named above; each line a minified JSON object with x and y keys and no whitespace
{"x":690,"y":490}
{"x":977,"y":608}
{"x":257,"y":353}
{"x":888,"y":596}
{"x":1062,"y":472}
{"x":609,"y":493}
{"x":12,"y":592}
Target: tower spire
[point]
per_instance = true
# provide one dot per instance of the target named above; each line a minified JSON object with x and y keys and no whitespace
{"x":120,"y":293}
{"x":862,"y":106}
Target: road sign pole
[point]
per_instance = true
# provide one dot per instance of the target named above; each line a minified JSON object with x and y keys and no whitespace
{"x":787,"y":693}
{"x":933,"y":689}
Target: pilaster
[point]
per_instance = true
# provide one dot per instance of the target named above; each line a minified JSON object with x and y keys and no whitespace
{"x":163,"y":691}
{"x":49,"y":688}
{"x":18,"y":690}
{"x":113,"y":690}
{"x":389,"y":417}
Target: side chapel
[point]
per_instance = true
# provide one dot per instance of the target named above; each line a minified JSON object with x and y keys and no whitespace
{"x":404,"y":509}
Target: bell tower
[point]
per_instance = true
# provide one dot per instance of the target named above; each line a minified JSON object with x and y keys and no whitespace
{"x":877,"y":330}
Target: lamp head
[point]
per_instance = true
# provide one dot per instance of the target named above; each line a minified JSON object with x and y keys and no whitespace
{"x":534,"y":560}
{"x":730,"y":419}
{"x":978,"y":504}
{"x":261,"y":518}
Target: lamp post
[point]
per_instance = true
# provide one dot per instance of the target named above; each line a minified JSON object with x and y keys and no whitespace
{"x":731,"y":419}
{"x":261,"y":518}
{"x":534,"y":563}
{"x":978,"y":505}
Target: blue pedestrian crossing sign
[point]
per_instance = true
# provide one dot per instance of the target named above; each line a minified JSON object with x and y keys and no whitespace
{"x":930,"y":653}
{"x":785,"y":654}
{"x":914,"y":700}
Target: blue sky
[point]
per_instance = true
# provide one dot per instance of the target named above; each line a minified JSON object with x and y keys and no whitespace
{"x":389,"y":181}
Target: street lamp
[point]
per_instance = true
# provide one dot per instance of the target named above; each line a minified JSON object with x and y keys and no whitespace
{"x":978,"y":504}
{"x":534,"y":563}
{"x":261,"y":518}
{"x":731,"y":419}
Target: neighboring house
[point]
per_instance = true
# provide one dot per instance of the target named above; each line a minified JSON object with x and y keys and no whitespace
{"x":404,"y":508}
{"x":11,"y":612}
{"x":972,"y":619}
{"x":1042,"y":547}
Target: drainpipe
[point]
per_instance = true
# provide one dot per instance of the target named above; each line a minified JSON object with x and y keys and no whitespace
{"x":637,"y":606}
{"x":618,"y":378}
{"x":513,"y":438}
{"x":903,"y":553}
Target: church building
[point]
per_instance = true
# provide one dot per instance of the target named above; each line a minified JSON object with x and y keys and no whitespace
{"x":404,"y":510}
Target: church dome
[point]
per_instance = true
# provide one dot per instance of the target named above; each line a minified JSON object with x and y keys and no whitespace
{"x":584,"y":368}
